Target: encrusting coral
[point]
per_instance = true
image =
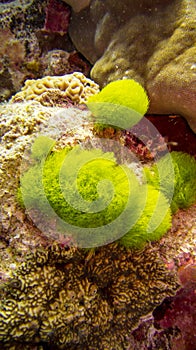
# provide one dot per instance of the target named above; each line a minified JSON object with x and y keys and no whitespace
{"x":77,"y":299}
{"x":73,"y":87}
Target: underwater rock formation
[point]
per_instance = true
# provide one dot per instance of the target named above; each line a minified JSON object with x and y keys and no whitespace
{"x":152,"y":42}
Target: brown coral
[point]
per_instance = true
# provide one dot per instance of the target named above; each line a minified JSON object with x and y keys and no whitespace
{"x":75,"y":87}
{"x":73,"y":299}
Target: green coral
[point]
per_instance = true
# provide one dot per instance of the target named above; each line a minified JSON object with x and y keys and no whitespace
{"x":94,"y":198}
{"x":175,"y":176}
{"x":121,"y":103}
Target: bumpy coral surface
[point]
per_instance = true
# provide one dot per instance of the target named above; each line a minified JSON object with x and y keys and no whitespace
{"x":153,"y":42}
{"x":82,"y":300}
{"x":74,"y":87}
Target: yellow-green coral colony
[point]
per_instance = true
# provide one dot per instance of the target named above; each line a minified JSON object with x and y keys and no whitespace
{"x":121,"y":103}
{"x":88,"y":189}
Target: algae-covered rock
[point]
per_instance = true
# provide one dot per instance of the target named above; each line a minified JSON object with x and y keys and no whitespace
{"x":153,"y":42}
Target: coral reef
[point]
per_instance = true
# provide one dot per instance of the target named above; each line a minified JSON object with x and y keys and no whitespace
{"x":152,"y":42}
{"x":20,"y":123}
{"x":68,"y":298}
{"x":75,"y":299}
{"x":74,"y":87}
{"x":12,"y":57}
{"x":60,"y":62}
{"x":172,"y":324}
{"x":19,"y":21}
{"x":106,"y":271}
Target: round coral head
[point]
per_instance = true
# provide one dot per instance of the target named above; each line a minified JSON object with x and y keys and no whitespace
{"x":121,"y":103}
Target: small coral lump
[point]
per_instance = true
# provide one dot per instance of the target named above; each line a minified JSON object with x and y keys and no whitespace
{"x":118,"y":100}
{"x":75,"y":87}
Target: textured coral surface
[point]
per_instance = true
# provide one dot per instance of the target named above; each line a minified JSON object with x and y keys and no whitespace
{"x":82,"y":300}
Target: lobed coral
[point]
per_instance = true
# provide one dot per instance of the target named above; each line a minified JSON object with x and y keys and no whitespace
{"x":74,"y":299}
{"x":75,"y":87}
